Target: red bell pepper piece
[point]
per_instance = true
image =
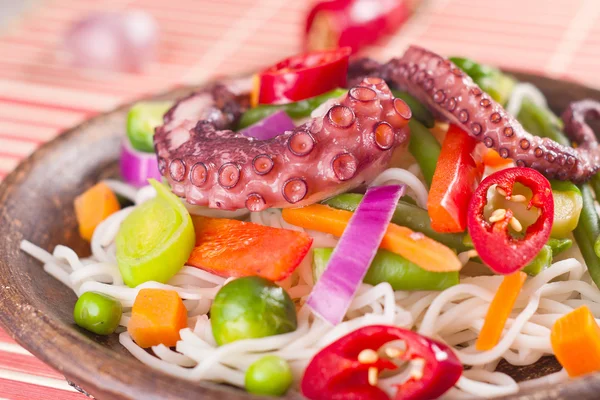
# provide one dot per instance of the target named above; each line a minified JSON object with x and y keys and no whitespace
{"x":336,"y":372}
{"x":228,"y":247}
{"x":354,"y":23}
{"x":455,"y":178}
{"x":303,"y":76}
{"x":500,"y":250}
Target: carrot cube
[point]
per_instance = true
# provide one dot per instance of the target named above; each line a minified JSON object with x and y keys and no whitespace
{"x":157,"y":317}
{"x":575,"y":339}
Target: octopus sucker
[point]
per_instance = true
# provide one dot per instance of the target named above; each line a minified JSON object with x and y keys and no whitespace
{"x":209,"y":164}
{"x":453,"y":96}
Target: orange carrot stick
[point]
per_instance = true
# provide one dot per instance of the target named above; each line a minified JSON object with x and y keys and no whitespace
{"x":157,"y":317}
{"x":414,"y":246}
{"x":575,"y":339}
{"x":499,"y":310}
{"x":94,"y":206}
{"x":492,"y":158}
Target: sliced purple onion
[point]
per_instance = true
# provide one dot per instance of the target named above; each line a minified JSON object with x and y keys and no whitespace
{"x":271,"y":126}
{"x":348,"y":265}
{"x":137,"y":167}
{"x":116,"y":41}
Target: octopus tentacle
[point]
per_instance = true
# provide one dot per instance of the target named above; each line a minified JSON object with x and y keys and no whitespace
{"x":362,"y":67}
{"x":210,"y":165}
{"x":574,"y":118}
{"x":454,"y":96}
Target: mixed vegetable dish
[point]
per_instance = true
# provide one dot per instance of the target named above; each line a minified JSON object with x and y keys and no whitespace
{"x":349,"y":230}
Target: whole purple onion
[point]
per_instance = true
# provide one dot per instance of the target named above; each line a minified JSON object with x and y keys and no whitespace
{"x":116,"y":41}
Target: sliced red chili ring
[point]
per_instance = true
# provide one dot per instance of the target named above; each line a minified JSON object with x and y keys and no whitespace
{"x":340,"y":371}
{"x":496,"y":246}
{"x":303,"y":76}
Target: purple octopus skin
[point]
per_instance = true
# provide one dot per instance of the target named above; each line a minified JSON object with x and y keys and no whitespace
{"x":453,"y":95}
{"x":360,"y":68}
{"x":576,"y":127}
{"x":210,"y":165}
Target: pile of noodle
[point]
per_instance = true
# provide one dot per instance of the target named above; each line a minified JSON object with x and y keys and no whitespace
{"x":454,"y":316}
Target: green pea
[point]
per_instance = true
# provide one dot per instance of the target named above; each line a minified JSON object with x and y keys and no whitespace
{"x":251,"y":307}
{"x":97,"y":313}
{"x":270,"y":376}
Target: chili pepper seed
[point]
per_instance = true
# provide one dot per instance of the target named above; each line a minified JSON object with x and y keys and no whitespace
{"x":498,"y":215}
{"x":373,"y":375}
{"x":367,"y":356}
{"x":515,"y":224}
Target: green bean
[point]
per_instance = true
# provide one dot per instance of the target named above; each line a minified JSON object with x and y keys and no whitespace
{"x":298,"y":109}
{"x":587,"y":232}
{"x":473,"y":69}
{"x":540,"y":262}
{"x":595,"y":184}
{"x":597,"y":246}
{"x":541,"y":122}
{"x":491,"y":80}
{"x":394,"y":269}
{"x":425,"y":148}
{"x":419,"y":111}
{"x":407,"y":199}
{"x":559,"y":245}
{"x":407,"y":215}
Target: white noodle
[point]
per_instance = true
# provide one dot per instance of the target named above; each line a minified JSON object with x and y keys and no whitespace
{"x":123,"y":189}
{"x":454,"y":315}
{"x":399,"y":175}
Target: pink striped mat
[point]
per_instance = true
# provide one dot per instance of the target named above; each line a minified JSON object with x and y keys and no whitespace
{"x":40,"y":96}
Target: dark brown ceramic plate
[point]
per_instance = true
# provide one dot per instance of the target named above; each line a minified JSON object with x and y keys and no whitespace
{"x":36,"y":204}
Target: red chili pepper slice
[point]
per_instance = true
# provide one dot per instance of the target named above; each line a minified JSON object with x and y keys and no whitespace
{"x":342,"y":23}
{"x":303,"y":76}
{"x":501,"y":251}
{"x":336,"y":372}
{"x":456,"y":175}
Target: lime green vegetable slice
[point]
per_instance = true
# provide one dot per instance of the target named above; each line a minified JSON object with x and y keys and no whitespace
{"x":567,"y":207}
{"x":142,"y":119}
{"x":155,"y":240}
{"x":568,"y":203}
{"x":270,"y":376}
{"x":97,"y":313}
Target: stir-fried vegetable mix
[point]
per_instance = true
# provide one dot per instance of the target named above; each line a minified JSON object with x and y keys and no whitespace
{"x":481,"y":210}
